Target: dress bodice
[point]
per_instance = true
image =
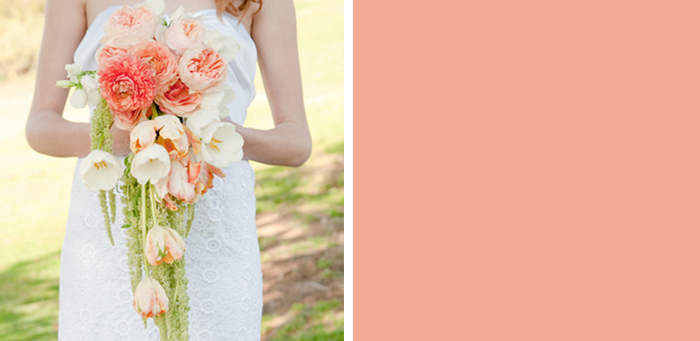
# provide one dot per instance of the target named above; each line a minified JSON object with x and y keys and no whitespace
{"x":242,"y":68}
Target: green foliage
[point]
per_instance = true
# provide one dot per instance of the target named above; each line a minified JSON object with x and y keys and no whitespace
{"x":100,"y":136}
{"x":323,"y":263}
{"x":312,"y":323}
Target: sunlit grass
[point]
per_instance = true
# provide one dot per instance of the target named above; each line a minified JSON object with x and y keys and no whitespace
{"x":316,"y":322}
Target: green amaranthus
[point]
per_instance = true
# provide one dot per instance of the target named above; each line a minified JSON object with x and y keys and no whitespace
{"x":141,"y":212}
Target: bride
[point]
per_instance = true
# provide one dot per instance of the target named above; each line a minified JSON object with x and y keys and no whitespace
{"x":223,"y":260}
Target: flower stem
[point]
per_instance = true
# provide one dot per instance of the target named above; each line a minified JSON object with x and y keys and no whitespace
{"x":153,"y":205}
{"x":143,"y":227}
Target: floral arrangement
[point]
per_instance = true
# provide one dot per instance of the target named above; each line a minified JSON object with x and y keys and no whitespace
{"x":163,"y":78}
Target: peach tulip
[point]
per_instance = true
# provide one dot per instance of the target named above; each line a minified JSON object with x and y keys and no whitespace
{"x":150,"y":299}
{"x":163,"y":244}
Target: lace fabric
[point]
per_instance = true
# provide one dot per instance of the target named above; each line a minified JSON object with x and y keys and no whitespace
{"x":222,"y":263}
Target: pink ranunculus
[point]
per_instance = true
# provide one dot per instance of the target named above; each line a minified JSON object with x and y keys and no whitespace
{"x":179,"y":100}
{"x":184,"y":34}
{"x":202,"y":69}
{"x":161,"y":60}
{"x":127,"y":120}
{"x":128,"y":26}
{"x":150,"y":299}
{"x":127,"y":83}
{"x":106,"y":52}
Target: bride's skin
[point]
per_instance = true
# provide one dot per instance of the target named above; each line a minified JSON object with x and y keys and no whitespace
{"x":274,"y":31}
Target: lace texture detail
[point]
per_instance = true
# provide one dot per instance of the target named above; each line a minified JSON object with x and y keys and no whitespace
{"x":222,"y":264}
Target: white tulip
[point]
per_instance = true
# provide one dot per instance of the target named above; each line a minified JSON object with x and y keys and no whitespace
{"x":169,"y":127}
{"x":100,"y":171}
{"x":157,"y":6}
{"x":200,"y":120}
{"x":218,"y":101}
{"x":222,"y":145}
{"x":151,"y":164}
{"x":173,"y":132}
{"x":178,"y":14}
{"x":142,"y":136}
{"x":227,"y":46}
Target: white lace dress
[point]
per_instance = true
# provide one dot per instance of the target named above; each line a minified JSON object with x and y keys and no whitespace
{"x":222,"y":257}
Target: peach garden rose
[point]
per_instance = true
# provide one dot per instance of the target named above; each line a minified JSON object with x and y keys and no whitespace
{"x":161,"y":60}
{"x":127,"y":120}
{"x":184,"y":34}
{"x":202,"y":69}
{"x":106,"y":52}
{"x":179,"y":100}
{"x":128,"y":26}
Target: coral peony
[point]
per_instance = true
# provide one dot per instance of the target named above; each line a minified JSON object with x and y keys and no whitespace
{"x":179,"y":100}
{"x":202,"y":69}
{"x":161,"y":60}
{"x":127,"y":83}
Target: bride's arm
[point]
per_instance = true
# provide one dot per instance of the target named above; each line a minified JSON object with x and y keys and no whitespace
{"x":289,"y":142}
{"x":47,"y":131}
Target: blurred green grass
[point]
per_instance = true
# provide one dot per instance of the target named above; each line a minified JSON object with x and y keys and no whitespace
{"x":36,"y":188}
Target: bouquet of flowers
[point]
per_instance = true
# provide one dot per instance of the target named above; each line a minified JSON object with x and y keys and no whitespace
{"x":163,"y":78}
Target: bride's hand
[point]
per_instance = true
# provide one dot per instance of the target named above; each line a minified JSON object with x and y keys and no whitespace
{"x":121,"y":143}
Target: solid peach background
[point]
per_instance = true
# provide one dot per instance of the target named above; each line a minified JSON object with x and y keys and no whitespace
{"x":527,"y":170}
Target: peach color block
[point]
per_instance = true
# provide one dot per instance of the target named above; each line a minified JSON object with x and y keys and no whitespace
{"x":527,"y":170}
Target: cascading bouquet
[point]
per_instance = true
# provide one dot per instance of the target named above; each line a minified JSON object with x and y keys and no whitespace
{"x":163,"y":78}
